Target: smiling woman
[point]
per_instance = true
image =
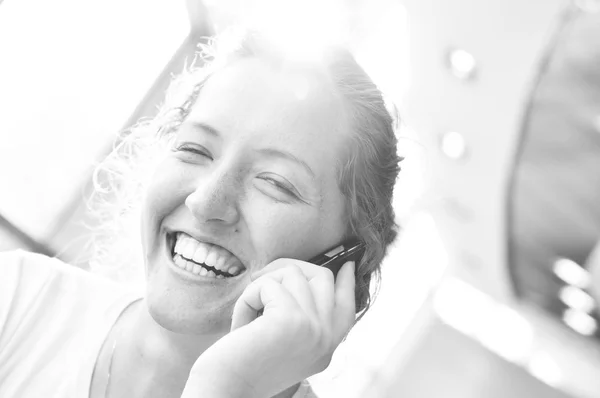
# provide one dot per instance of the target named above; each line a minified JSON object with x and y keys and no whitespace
{"x":256,"y":163}
{"x":365,"y":172}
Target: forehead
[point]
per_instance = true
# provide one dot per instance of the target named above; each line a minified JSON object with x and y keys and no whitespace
{"x":273,"y":104}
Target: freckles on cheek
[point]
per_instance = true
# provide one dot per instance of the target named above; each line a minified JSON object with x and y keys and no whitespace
{"x":281,"y":234}
{"x":161,"y":197}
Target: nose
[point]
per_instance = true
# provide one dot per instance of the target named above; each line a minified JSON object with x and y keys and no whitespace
{"x":215,"y":199}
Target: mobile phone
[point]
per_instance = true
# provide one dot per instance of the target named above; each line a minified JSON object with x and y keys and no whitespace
{"x":335,"y":257}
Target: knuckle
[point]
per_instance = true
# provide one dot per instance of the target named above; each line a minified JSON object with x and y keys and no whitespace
{"x":278,"y":263}
{"x":327,"y":274}
{"x":322,"y":338}
{"x":317,"y":334}
{"x":294,"y":269}
{"x":327,"y":344}
{"x":323,"y":362}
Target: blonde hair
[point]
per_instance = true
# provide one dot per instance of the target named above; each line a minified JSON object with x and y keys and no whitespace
{"x":366,"y":178}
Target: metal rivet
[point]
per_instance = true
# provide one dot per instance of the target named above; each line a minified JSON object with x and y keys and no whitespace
{"x":462,"y":64}
{"x":453,"y":145}
{"x":577,"y":299}
{"x":579,"y":321}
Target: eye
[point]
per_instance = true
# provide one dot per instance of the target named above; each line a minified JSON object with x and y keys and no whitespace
{"x":277,"y":187}
{"x":280,"y":185}
{"x":192,"y":151}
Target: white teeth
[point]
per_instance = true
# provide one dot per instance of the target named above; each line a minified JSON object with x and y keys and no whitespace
{"x":234,"y":270}
{"x":179,"y":261}
{"x":211,"y":258}
{"x":189,"y":266}
{"x":178,"y":244}
{"x":221,"y":262}
{"x":190,"y":248}
{"x":195,"y":269}
{"x":204,"y":253}
{"x":200,"y":254}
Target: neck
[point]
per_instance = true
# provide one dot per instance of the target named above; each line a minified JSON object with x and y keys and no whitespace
{"x":150,"y":359}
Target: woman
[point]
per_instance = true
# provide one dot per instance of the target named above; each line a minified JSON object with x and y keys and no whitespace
{"x":261,"y":162}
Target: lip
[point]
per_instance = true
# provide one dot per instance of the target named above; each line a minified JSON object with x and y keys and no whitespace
{"x":169,"y":236}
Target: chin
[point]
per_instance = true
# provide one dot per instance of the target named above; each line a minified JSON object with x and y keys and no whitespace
{"x":184,"y":302}
{"x":188,"y":306}
{"x":173,"y":313}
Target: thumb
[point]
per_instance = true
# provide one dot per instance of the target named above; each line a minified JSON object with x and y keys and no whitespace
{"x":258,"y":295}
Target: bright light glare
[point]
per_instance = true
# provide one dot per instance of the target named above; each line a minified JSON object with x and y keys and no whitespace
{"x":580,"y":322}
{"x":572,"y":273}
{"x":454,"y":145}
{"x":302,"y":28}
{"x":506,"y":333}
{"x":71,"y":74}
{"x":459,"y":304}
{"x":576,"y":299}
{"x":376,"y":32}
{"x":381,"y":46}
{"x":462,"y":63}
{"x":496,"y":326}
{"x":545,"y":368}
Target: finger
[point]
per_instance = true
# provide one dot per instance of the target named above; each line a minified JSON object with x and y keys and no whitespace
{"x":321,"y":282}
{"x":310,"y":270}
{"x":264,"y":293}
{"x":345,"y":306}
{"x":273,"y":266}
{"x":323,"y":288}
{"x":293,"y":279}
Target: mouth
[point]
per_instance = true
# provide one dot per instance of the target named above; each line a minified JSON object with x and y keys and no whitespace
{"x":203,"y":259}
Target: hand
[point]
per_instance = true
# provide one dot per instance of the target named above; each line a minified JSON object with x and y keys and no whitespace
{"x":305,"y":317}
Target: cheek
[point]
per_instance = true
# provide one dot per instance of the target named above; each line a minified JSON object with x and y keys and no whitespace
{"x":163,"y":194}
{"x":292,"y":231}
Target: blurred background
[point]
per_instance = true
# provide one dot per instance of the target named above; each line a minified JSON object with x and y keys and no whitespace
{"x":487,"y":291}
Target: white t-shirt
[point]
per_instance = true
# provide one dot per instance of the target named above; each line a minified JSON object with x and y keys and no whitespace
{"x":54,"y":319}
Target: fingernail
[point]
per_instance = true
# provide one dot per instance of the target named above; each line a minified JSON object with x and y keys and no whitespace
{"x":352,"y":265}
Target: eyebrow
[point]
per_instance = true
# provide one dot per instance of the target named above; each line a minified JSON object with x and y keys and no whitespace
{"x":265,"y":151}
{"x":206,"y":127}
{"x":289,"y":156}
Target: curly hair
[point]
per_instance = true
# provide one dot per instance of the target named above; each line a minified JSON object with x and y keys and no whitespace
{"x":366,"y":177}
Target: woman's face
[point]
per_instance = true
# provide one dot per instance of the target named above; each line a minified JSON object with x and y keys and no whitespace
{"x":251,"y":178}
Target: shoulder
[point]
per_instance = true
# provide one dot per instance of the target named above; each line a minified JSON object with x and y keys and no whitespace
{"x":32,"y":272}
{"x":19,"y":263}
{"x":33,"y":283}
{"x":52,"y":315}
{"x":33,"y":268}
{"x":23,"y":271}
